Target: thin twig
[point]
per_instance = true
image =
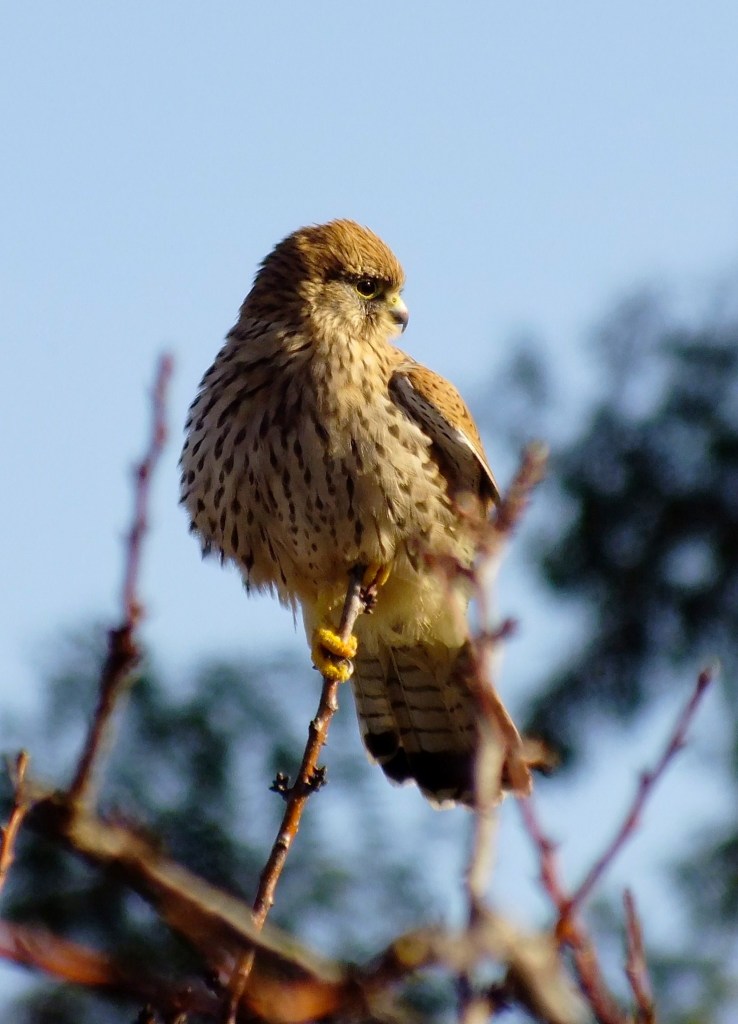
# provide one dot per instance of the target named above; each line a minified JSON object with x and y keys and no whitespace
{"x":297,"y":796}
{"x":500,"y":744}
{"x":144,"y":473}
{"x":123,"y":653}
{"x":646,"y":783}
{"x":317,"y":735}
{"x":636,"y":967}
{"x":569,"y":928}
{"x":500,"y":747}
{"x":487,"y":769}
{"x":21,"y":806}
{"x":514,"y":501}
{"x":584,"y":955}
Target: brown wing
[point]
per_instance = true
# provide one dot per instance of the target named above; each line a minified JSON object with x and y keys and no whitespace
{"x":440,"y":410}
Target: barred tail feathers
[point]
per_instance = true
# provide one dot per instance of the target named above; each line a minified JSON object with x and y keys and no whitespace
{"x":417,"y":717}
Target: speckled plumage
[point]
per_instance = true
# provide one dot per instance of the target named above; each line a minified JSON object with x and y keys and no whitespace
{"x":314,"y":445}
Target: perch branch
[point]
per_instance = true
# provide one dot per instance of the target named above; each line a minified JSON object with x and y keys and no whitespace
{"x":297,"y":796}
{"x":123,"y":653}
{"x":304,"y":784}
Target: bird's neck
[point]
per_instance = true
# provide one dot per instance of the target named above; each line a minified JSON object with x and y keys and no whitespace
{"x":349,"y":372}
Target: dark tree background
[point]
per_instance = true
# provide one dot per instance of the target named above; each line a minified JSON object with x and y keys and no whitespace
{"x":645,"y":544}
{"x":192,"y":764}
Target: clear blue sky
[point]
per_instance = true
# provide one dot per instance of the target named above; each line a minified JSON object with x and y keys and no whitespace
{"x":526,"y":161}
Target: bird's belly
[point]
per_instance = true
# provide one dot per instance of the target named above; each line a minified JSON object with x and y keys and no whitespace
{"x":304,"y":514}
{"x":297,"y":497}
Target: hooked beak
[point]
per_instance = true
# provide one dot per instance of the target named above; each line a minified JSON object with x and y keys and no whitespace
{"x":398,"y":310}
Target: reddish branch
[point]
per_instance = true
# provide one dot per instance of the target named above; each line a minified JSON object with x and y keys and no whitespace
{"x":514,"y":502}
{"x":143,"y":475}
{"x":308,"y":780}
{"x":646,"y":784}
{"x":305,"y":782}
{"x":569,"y":929}
{"x":123,"y":653}
{"x":584,"y":955}
{"x":21,"y":806}
{"x":636,"y":968}
{"x":79,"y":965}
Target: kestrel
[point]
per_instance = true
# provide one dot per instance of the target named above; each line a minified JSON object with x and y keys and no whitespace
{"x":314,"y":446}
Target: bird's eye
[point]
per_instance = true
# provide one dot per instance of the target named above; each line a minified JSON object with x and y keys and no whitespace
{"x":368,"y":287}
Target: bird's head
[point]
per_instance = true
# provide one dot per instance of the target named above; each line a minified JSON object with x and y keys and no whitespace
{"x":338,"y":279}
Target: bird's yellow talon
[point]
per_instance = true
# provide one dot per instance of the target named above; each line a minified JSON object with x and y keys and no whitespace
{"x":332,"y":655}
{"x":333,"y":644}
{"x":376,"y":576}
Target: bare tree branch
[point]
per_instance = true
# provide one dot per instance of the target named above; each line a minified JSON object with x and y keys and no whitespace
{"x":500,"y":754}
{"x":636,"y":967}
{"x":305,"y":782}
{"x":647,"y":782}
{"x":287,"y":982}
{"x":18,"y":811}
{"x":219,"y":926}
{"x":569,"y":928}
{"x":262,"y":972}
{"x":535,"y":977}
{"x":308,"y":780}
{"x":574,"y":935}
{"x":79,"y":965}
{"x":123,"y":653}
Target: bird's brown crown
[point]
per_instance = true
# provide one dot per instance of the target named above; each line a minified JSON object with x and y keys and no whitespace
{"x":324,"y":252}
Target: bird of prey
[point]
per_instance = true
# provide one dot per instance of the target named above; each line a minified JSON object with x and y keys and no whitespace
{"x":314,"y":446}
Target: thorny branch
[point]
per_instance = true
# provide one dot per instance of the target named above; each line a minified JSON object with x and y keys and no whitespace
{"x":123,"y":653}
{"x":569,"y":929}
